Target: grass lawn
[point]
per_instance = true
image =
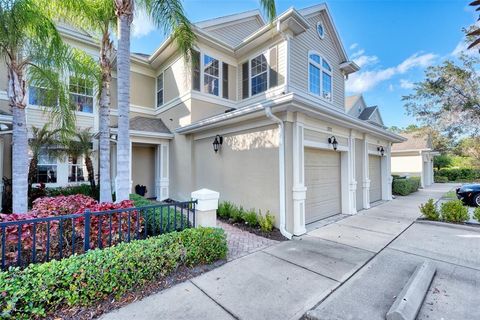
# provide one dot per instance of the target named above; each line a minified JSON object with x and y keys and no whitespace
{"x":450,"y":195}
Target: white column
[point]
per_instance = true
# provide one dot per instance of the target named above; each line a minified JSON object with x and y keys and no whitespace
{"x":113,"y":164}
{"x":352,"y":183}
{"x":299,"y":192}
{"x":389,"y":172}
{"x":206,"y":208}
{"x":131,"y":165}
{"x":386,"y":174}
{"x":366,"y":175}
{"x":164,"y":172}
{"x":158,"y":168}
{"x":423,"y":173}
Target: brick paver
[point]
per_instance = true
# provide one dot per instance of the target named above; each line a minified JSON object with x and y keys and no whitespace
{"x":241,"y":243}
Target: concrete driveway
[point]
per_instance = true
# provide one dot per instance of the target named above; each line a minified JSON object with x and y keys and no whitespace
{"x":285,"y":280}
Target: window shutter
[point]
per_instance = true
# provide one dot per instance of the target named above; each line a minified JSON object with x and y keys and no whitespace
{"x":273,"y":67}
{"x":225,"y":80}
{"x":245,"y":80}
{"x":196,"y":70}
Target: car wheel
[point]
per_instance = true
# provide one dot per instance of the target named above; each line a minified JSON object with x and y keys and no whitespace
{"x":476,"y":200}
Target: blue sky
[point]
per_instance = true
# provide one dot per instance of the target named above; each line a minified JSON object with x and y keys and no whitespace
{"x":393,"y":41}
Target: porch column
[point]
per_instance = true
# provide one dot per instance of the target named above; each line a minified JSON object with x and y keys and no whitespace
{"x":131,"y":165}
{"x":366,"y":175}
{"x":352,"y":183}
{"x":2,"y":144}
{"x":386,"y":174}
{"x":299,"y":191}
{"x":161,"y":171}
{"x":113,"y":164}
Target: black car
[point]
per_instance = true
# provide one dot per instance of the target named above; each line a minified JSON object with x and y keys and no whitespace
{"x":469,"y":194}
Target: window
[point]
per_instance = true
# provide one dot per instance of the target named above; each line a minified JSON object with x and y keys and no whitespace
{"x":258,"y":74}
{"x":160,"y":90}
{"x":81,"y":94}
{"x":46,"y":168}
{"x":196,"y":70}
{"x":37,"y":96}
{"x":76,"y":170}
{"x":320,"y":30}
{"x":224,"y":80}
{"x":211,"y":75}
{"x":319,"y":76}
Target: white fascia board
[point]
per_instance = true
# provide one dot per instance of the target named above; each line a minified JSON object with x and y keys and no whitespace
{"x":230,"y":18}
{"x":410,"y":150}
{"x":146,"y":134}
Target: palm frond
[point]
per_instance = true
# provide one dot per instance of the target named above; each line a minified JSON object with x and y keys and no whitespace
{"x":269,"y":9}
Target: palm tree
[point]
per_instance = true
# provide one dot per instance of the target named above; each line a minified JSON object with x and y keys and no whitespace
{"x":42,"y":138}
{"x":473,"y":35}
{"x":98,"y":18}
{"x":81,"y":146}
{"x":168,"y":15}
{"x":32,"y":48}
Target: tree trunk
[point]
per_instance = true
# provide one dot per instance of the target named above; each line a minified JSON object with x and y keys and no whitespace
{"x":91,"y":172}
{"x":17,"y":101}
{"x":106,"y":67}
{"x":123,"y":184}
{"x":32,"y":172}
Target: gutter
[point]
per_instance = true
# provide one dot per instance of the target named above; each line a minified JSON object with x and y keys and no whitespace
{"x":281,"y":166}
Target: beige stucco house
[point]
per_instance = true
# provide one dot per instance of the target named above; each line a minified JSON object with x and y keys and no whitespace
{"x":273,"y":94}
{"x":414,"y":157}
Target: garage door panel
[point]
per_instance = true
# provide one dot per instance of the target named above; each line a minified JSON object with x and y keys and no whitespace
{"x":322,"y":179}
{"x":375,"y":178}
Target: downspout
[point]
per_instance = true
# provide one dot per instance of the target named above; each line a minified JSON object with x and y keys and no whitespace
{"x":281,"y":167}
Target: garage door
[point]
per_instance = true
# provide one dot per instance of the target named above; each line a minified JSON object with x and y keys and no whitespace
{"x":375,"y":178}
{"x":322,"y":179}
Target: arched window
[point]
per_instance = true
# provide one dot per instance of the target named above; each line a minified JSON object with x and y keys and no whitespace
{"x":319,"y":76}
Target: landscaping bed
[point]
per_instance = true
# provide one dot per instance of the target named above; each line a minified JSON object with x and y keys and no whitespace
{"x":251,"y":220}
{"x":82,"y":286}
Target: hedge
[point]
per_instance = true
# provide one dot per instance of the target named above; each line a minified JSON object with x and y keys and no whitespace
{"x":100,"y":274}
{"x":405,"y":186}
{"x":459,"y":174}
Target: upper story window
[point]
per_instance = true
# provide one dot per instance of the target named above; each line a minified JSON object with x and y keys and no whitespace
{"x":320,"y":30}
{"x":160,"y":90}
{"x":211,"y":75}
{"x":258,"y":74}
{"x":319,"y":76}
{"x":81,"y":94}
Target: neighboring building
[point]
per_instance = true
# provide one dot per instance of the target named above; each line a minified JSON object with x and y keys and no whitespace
{"x":273,"y":96}
{"x":414,"y":157}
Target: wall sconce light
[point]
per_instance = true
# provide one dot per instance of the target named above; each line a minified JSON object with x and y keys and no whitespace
{"x":381,"y":150}
{"x":333,"y":141}
{"x":113,"y":136}
{"x":217,"y":142}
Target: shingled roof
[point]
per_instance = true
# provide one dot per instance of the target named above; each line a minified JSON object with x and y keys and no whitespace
{"x":148,"y":125}
{"x":416,"y":141}
{"x":367,"y":113}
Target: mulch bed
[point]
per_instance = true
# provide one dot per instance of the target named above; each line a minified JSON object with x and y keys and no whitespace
{"x":274,"y":235}
{"x":96,"y":310}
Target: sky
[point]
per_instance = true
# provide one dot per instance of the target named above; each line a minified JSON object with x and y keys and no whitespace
{"x":393,"y":41}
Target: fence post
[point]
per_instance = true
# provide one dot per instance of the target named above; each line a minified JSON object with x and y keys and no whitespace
{"x":86,"y":244}
{"x":205,"y":214}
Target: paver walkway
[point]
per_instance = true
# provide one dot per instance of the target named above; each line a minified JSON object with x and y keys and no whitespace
{"x":287,"y":279}
{"x":241,"y":243}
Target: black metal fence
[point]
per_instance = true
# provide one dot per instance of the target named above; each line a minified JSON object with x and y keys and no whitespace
{"x":42,"y":239}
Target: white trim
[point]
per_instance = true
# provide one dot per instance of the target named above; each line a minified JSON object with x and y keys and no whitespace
{"x":237,"y":128}
{"x":3,"y":95}
{"x":233,"y":18}
{"x":146,"y":134}
{"x":321,"y":36}
{"x":322,"y":69}
{"x":162,"y":74}
{"x":324,"y":146}
{"x":312,"y":128}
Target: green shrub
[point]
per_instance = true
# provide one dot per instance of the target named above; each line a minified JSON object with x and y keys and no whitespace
{"x":225,"y":209}
{"x":440,"y":179}
{"x":266,"y":223}
{"x":459,"y":174}
{"x":454,"y":211}
{"x":237,"y":214}
{"x":99,"y":274}
{"x":429,"y":210}
{"x":476,"y":214}
{"x":405,"y":186}
{"x":160,"y":220}
{"x":250,"y":218}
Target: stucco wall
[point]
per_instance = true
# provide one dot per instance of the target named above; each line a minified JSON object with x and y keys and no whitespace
{"x":143,"y":168}
{"x":244,"y":171}
{"x":3,"y":76}
{"x":402,"y":164}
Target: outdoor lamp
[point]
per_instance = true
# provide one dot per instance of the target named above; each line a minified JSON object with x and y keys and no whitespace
{"x":381,"y":150}
{"x":217,"y":143}
{"x":333,"y":141}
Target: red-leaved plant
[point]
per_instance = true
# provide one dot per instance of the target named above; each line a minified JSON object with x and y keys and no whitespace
{"x":66,"y":236}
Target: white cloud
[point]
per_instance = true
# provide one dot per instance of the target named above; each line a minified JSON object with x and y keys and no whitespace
{"x":406,"y":84}
{"x":365,"y":60}
{"x":391,"y":88}
{"x":462,"y":48}
{"x":353,"y":46}
{"x":142,"y":24}
{"x":366,"y":80}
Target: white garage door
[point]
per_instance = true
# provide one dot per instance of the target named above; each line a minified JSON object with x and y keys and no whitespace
{"x":322,"y":179}
{"x":375,"y":178}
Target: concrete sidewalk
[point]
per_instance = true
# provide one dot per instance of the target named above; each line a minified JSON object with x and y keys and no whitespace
{"x":286,"y":280}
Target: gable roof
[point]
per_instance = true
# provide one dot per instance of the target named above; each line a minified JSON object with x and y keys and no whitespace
{"x":415,"y":141}
{"x":350,"y":101}
{"x":231,"y":18}
{"x":367,"y":113}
